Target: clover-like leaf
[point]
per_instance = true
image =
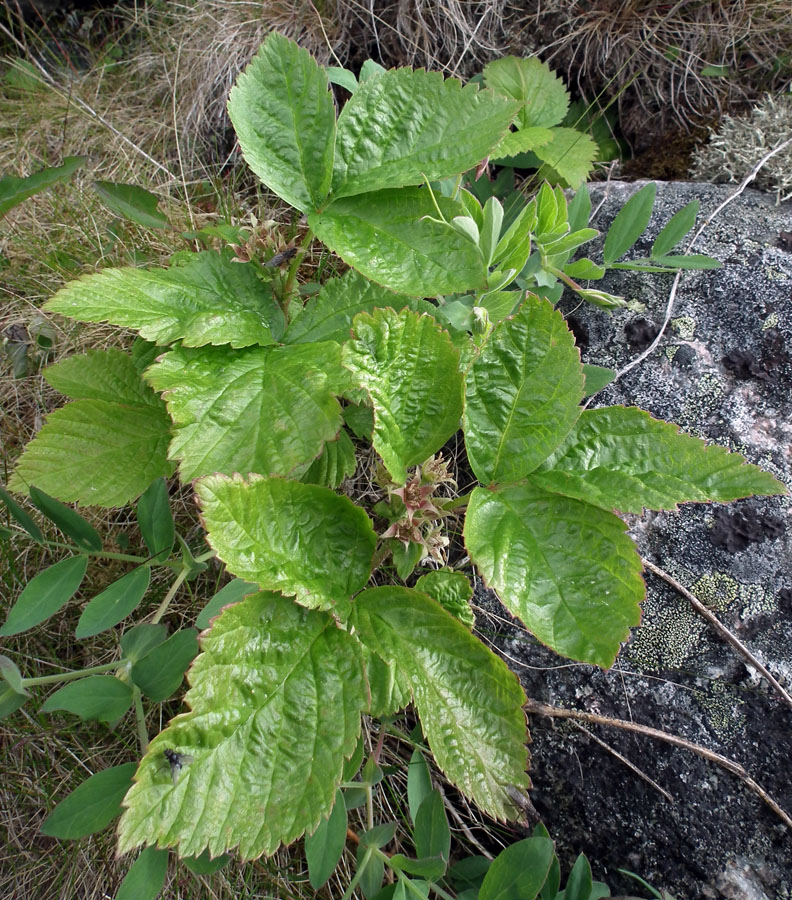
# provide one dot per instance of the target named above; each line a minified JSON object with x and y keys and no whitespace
{"x":282,"y":111}
{"x":208,"y":300}
{"x":621,"y":458}
{"x":408,"y":126}
{"x":286,"y":536}
{"x":410,"y":369}
{"x":266,"y":410}
{"x":469,"y":702}
{"x":390,"y":237}
{"x":567,"y":569}
{"x":541,"y":93}
{"x":329,"y":315}
{"x":107,"y":446}
{"x":522,"y":393}
{"x":275,"y":703}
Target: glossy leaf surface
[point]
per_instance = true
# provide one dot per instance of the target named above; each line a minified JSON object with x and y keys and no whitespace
{"x":286,"y":536}
{"x":114,"y":603}
{"x":108,"y":445}
{"x":621,"y":458}
{"x":410,"y":369}
{"x":45,"y":594}
{"x":275,"y":703}
{"x":104,"y":698}
{"x":92,"y":806}
{"x":260,"y":410}
{"x":389,"y":690}
{"x":452,"y":590}
{"x":522,"y":393}
{"x":208,"y":300}
{"x":567,"y":569}
{"x":283,"y":113}
{"x":335,"y":463}
{"x":470,"y":704}
{"x":409,"y":126}
{"x":385,"y":236}
{"x":328,"y":316}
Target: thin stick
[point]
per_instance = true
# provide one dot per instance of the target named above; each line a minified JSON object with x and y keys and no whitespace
{"x":722,"y":630}
{"x":556,"y":712}
{"x":621,"y":758}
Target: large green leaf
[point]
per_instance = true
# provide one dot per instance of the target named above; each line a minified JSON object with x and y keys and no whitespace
{"x":336,"y":462}
{"x":567,"y":569}
{"x":328,"y":316}
{"x":107,"y":446}
{"x":408,"y":126}
{"x":14,"y":190}
{"x":282,"y":111}
{"x":523,"y":393}
{"x":621,"y":458}
{"x":275,"y":703}
{"x":410,"y":369}
{"x":386,"y":236}
{"x":542,"y":95}
{"x":388,"y":688}
{"x":266,"y":410}
{"x":469,"y":702}
{"x":208,"y":300}
{"x":286,"y":536}
{"x":571,"y":154}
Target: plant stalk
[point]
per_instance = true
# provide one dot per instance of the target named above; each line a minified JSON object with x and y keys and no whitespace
{"x":72,"y":676}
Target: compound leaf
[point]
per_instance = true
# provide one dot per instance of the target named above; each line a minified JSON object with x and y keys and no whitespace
{"x":522,"y":141}
{"x":286,"y":536}
{"x":402,"y":360}
{"x":275,"y":703}
{"x":207,"y":300}
{"x":567,"y":569}
{"x":282,"y":111}
{"x":409,"y":126}
{"x":114,"y":603}
{"x":629,"y":224}
{"x":45,"y":594}
{"x":266,"y":410}
{"x":469,"y":702}
{"x":324,"y":847}
{"x":159,"y":673}
{"x":21,"y":517}
{"x":329,"y":315}
{"x":336,"y":462}
{"x":104,"y":698}
{"x":571,"y":154}
{"x":14,"y":190}
{"x":132,"y":202}
{"x":621,"y":458}
{"x":92,"y":806}
{"x":675,"y":229}
{"x":146,"y":876}
{"x":523,"y":393}
{"x":386,"y":236}
{"x":388,"y":688}
{"x":541,"y":93}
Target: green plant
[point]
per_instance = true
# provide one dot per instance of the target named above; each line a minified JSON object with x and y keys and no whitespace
{"x":269,"y":402}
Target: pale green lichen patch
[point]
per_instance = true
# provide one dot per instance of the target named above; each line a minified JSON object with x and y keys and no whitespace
{"x":670,"y":352}
{"x":717,"y":591}
{"x":707,"y":398}
{"x":685,"y":327}
{"x":771,"y":321}
{"x":721,"y":706}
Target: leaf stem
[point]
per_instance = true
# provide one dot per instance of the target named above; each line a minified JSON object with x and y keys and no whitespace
{"x":71,"y":676}
{"x":369,"y":807}
{"x":107,"y":554}
{"x":360,"y":869}
{"x":288,"y":287}
{"x":140,"y":718}
{"x":163,"y":607}
{"x":563,"y":277}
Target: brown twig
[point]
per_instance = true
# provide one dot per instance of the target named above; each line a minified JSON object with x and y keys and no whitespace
{"x":722,"y":630}
{"x":557,"y":712}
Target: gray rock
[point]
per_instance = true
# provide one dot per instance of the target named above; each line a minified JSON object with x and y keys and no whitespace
{"x":723,"y":372}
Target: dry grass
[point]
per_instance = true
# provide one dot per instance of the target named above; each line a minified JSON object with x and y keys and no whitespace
{"x":651,"y":54}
